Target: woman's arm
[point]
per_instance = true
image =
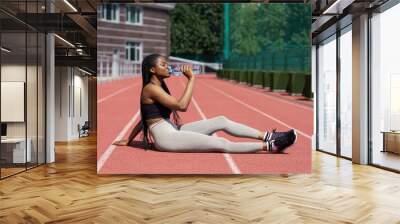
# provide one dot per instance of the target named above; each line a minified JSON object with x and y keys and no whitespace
{"x":135,"y":131}
{"x":187,"y":94}
{"x":132,"y":135}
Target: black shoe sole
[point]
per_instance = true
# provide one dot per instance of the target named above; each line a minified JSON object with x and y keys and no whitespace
{"x":281,"y":151}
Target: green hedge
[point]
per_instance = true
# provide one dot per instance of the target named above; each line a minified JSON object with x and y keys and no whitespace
{"x":242,"y":76}
{"x":237,"y":75}
{"x":224,"y":73}
{"x":280,"y":81}
{"x":228,"y":74}
{"x":231,"y":75}
{"x":307,"y":87}
{"x":250,"y":77}
{"x":219,"y":74}
{"x":248,"y":74}
{"x":258,"y":78}
{"x":296,"y":83}
{"x":267,"y":79}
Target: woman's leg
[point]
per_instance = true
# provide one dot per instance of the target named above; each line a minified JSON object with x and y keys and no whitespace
{"x":219,"y":123}
{"x":167,"y":138}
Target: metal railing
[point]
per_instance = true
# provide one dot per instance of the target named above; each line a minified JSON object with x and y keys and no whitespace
{"x":115,"y":67}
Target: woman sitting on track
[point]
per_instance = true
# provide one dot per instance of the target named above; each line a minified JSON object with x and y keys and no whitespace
{"x":156,"y":105}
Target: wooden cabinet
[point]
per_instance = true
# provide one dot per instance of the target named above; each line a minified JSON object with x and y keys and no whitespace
{"x":391,"y":141}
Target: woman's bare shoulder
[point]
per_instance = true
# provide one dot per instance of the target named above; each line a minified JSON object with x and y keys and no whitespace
{"x":150,"y":89}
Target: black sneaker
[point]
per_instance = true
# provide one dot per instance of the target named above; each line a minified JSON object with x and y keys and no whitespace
{"x":283,"y":141}
{"x":270,"y":136}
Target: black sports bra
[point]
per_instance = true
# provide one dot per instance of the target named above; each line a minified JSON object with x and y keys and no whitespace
{"x":154,"y":110}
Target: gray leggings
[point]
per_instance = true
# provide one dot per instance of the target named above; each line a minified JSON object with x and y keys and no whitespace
{"x":195,"y":136}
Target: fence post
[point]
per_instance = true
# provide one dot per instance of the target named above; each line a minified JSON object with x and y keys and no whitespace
{"x":101,"y":66}
{"x":107,"y":72}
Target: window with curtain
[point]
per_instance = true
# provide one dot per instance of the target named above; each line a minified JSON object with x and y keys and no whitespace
{"x":133,"y":14}
{"x":110,"y":12}
{"x":327,"y":95}
{"x":133,"y":51}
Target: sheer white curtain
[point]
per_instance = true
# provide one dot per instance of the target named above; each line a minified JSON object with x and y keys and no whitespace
{"x":327,"y":95}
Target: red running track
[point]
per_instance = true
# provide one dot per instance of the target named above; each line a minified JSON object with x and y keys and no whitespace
{"x":118,"y":111}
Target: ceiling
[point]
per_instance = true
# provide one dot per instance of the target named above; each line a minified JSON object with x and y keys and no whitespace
{"x":327,"y":14}
{"x":74,"y":21}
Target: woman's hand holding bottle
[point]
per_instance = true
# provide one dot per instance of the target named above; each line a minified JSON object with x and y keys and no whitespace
{"x":187,"y":71}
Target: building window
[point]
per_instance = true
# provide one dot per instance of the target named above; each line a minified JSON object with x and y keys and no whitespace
{"x":385,"y":89}
{"x":134,"y":14}
{"x":110,"y":12}
{"x":133,"y":51}
{"x":326,"y":135}
{"x":345,"y":93}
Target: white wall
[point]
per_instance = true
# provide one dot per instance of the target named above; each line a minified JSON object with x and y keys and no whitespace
{"x":62,"y":78}
{"x":17,"y":73}
{"x":33,"y":127}
{"x":71,"y":87}
{"x":80,"y":94}
{"x":82,"y":82}
{"x":14,"y":73}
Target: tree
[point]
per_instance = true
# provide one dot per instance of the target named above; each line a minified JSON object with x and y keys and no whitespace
{"x":197,"y":30}
{"x":245,"y":40}
{"x":299,"y":24}
{"x":269,"y":35}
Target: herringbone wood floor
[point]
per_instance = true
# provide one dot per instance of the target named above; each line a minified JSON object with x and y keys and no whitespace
{"x":70,"y":191}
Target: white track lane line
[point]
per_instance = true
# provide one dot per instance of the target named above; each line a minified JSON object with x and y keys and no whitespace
{"x":104,"y":157}
{"x":235,"y":169}
{"x":257,"y":110}
{"x":116,"y":93}
{"x":273,"y":98}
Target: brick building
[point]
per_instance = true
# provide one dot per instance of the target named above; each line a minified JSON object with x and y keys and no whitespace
{"x":127,"y":33}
